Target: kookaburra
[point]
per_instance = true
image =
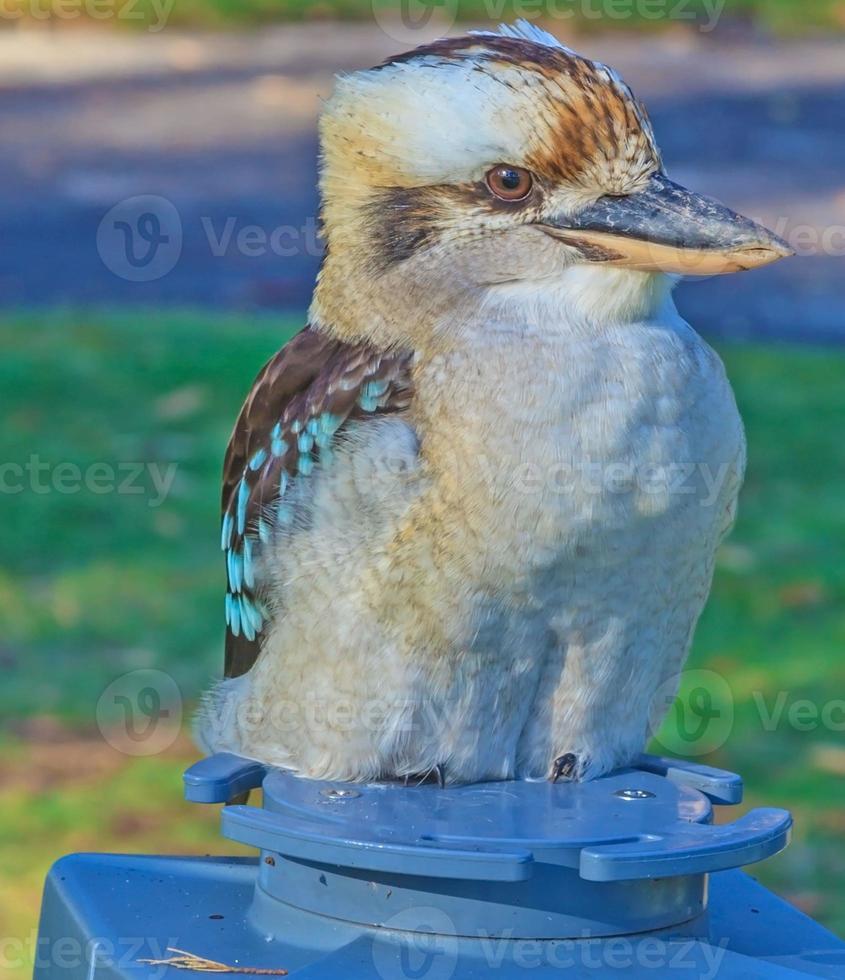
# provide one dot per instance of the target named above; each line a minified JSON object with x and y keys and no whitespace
{"x":470,"y":512}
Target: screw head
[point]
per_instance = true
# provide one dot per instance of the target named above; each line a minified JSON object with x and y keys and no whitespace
{"x":339,"y":794}
{"x":634,"y":794}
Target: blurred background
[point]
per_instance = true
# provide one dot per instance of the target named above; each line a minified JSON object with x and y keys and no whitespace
{"x":159,"y":242}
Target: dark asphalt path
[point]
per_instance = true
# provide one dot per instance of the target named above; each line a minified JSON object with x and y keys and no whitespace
{"x":217,"y":136}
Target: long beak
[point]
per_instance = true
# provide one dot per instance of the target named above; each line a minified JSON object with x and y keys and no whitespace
{"x":666,"y":228}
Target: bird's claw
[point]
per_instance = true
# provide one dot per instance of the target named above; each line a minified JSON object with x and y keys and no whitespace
{"x":564,"y":767}
{"x":437,"y":772}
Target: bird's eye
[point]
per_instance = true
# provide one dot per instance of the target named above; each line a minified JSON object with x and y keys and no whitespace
{"x":510,"y":183}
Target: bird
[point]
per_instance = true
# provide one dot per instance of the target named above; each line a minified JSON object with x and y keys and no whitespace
{"x":471,"y":510}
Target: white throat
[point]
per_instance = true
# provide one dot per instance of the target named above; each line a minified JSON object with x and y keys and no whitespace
{"x":586,"y":298}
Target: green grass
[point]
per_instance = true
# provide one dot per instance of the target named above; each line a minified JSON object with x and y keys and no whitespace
{"x":784,"y":16}
{"x":81,"y":795}
{"x":95,"y":585}
{"x":775,"y":624}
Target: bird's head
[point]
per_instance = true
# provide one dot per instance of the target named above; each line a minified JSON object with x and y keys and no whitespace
{"x":504,"y":164}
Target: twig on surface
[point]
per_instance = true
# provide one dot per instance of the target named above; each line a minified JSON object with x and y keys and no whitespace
{"x":188,"y":961}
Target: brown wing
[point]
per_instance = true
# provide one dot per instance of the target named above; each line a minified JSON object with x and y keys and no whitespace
{"x":303,"y":396}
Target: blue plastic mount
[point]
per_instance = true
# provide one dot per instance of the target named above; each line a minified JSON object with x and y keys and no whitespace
{"x":222,"y":777}
{"x":621,"y":854}
{"x":649,"y":822}
{"x":386,"y":882}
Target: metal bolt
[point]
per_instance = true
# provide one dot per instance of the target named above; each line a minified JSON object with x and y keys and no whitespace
{"x":340,"y":794}
{"x":634,"y":794}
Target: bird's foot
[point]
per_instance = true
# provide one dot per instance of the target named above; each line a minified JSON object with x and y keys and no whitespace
{"x":435,"y":774}
{"x":564,"y":767}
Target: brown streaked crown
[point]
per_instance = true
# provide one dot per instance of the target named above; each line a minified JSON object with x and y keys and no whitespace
{"x":594,"y":114}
